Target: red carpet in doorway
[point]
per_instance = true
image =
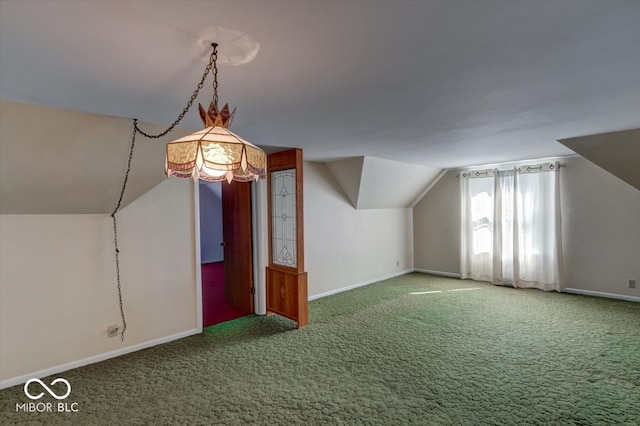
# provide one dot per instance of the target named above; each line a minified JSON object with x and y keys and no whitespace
{"x":214,"y":309}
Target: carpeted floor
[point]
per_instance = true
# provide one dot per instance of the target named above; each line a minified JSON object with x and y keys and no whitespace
{"x":380,"y":355}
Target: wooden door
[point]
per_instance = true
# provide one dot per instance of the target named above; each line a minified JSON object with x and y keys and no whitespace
{"x":286,"y":278}
{"x":238,"y":257}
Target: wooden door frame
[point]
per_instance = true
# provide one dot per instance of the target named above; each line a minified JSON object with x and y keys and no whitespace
{"x":260,"y":248}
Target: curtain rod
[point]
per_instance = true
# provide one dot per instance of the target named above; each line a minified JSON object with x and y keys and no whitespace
{"x":529,"y":168}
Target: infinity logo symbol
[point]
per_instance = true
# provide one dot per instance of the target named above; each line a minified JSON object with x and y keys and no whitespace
{"x":52,"y":393}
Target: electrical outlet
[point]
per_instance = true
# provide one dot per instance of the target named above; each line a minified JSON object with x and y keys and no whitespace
{"x":631,"y":283}
{"x":112,"y":330}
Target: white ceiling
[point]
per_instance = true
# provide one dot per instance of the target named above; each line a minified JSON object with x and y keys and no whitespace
{"x":442,"y":84}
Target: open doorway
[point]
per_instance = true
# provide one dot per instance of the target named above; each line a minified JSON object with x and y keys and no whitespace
{"x":218,"y":304}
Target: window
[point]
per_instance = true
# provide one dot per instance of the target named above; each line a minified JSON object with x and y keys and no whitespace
{"x":511,"y":226}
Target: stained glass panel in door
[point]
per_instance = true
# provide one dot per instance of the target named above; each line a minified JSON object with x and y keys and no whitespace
{"x":283,"y":217}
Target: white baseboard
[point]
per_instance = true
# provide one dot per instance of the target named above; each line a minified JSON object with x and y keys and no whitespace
{"x":93,"y":359}
{"x":444,"y":274}
{"x":362,"y":284}
{"x":602,"y":294}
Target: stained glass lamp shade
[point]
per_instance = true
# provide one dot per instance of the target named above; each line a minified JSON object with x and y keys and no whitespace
{"x":215,"y":153}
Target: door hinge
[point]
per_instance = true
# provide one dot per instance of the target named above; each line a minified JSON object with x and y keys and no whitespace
{"x":253,"y":290}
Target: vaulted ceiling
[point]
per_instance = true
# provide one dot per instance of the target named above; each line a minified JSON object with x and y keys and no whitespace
{"x":435,"y":83}
{"x":616,"y":152}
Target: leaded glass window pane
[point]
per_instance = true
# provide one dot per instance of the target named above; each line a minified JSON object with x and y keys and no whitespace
{"x":283,"y":219}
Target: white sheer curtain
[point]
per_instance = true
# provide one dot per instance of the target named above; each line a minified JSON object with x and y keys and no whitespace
{"x":477,"y":225}
{"x":511,"y":227}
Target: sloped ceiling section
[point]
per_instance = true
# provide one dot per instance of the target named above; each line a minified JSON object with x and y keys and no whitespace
{"x":616,"y":152}
{"x":57,"y":161}
{"x":375,"y":183}
{"x":348,"y":173}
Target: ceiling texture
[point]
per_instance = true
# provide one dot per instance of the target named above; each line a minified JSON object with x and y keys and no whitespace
{"x":437,"y":83}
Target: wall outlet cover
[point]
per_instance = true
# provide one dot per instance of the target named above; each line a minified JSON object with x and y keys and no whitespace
{"x":112,"y":330}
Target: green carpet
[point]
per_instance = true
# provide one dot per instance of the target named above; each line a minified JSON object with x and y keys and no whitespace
{"x":379,"y":355}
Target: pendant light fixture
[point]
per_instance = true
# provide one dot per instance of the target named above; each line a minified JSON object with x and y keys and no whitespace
{"x":212,"y":154}
{"x":215,"y":153}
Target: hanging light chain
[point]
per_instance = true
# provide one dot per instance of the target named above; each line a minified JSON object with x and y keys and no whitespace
{"x":115,"y":241}
{"x":211,"y":65}
{"x":115,"y":228}
{"x":214,"y":54}
{"x":126,"y":175}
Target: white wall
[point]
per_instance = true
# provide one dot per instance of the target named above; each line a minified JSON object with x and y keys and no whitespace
{"x":57,"y":290}
{"x":600,"y":220}
{"x":344,"y":246}
{"x":58,"y":287}
{"x":601,"y":229}
{"x":158,"y":249}
{"x":436,"y":227}
{"x":211,"y":222}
